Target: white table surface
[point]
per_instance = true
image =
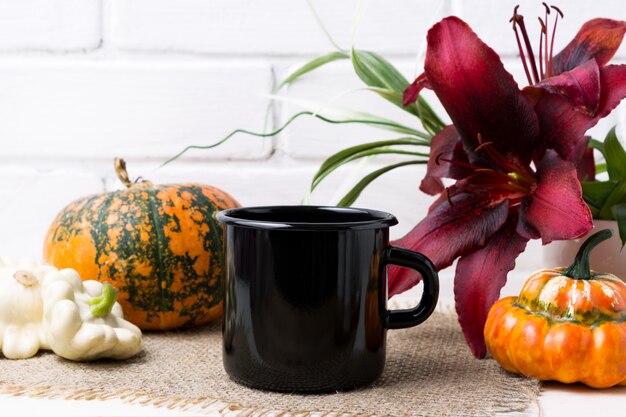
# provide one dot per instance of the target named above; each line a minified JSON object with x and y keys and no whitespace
{"x":556,"y":399}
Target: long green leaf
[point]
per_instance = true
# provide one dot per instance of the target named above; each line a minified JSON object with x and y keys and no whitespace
{"x":355,"y":192}
{"x":615,"y":156}
{"x":359,"y":151}
{"x":376,"y":72}
{"x":619,"y":212}
{"x":617,"y":196}
{"x":595,"y":193}
{"x":381,"y":123}
{"x":596,"y":144}
{"x":339,"y":113}
{"x":371,"y":152}
{"x":312,"y":65}
{"x":420,"y":108}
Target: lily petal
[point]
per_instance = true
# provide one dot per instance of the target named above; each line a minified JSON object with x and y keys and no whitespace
{"x":478,"y":280}
{"x":563,"y":128}
{"x":556,"y":209}
{"x":450,"y":231}
{"x":445,"y":146}
{"x":586,"y":167}
{"x":580,"y":86}
{"x":597,"y":39}
{"x":412,"y":92}
{"x":613,"y":89}
{"x":480,"y":96}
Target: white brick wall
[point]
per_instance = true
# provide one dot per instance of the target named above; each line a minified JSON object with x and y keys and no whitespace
{"x":50,"y":25}
{"x":82,"y":81}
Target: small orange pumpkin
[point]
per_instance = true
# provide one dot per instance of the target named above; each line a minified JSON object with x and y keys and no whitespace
{"x":568,"y":325}
{"x":159,"y":245}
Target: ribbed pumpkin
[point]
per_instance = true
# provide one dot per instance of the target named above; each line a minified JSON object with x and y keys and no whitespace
{"x":568,"y":325}
{"x":159,"y":245}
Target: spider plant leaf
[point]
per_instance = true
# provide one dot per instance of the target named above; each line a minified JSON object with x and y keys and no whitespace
{"x":372,"y":121}
{"x":376,"y":72}
{"x":355,"y":192}
{"x":333,"y":114}
{"x":597,"y":145}
{"x":312,"y":65}
{"x":360,"y":151}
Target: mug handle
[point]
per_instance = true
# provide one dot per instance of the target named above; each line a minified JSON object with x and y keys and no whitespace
{"x":400,"y":319}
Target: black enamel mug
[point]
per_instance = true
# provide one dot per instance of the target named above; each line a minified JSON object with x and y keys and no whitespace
{"x":305,"y":307}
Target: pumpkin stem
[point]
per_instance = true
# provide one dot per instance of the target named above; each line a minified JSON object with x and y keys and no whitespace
{"x":26,"y":278}
{"x":580,"y":268}
{"x":102,"y":306}
{"x":122,"y":174}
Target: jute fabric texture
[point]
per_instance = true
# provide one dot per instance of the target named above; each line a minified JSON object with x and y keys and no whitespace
{"x":429,"y":372}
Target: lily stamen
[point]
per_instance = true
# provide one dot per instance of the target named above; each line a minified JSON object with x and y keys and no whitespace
{"x":518,"y":20}
{"x":542,"y":32}
{"x":482,"y":145}
{"x":519,"y":44}
{"x":546,"y":45}
{"x":544,"y":28}
{"x":447,"y":191}
{"x":556,"y":19}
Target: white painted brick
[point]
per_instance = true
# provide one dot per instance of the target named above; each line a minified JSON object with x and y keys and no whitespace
{"x":151,"y":109}
{"x":30,"y":199}
{"x":281,"y":27}
{"x":490,"y":20}
{"x":50,"y":25}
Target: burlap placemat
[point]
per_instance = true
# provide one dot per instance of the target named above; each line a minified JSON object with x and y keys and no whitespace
{"x":429,"y":372}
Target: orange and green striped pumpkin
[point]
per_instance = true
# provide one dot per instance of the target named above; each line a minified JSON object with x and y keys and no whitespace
{"x":159,"y":245}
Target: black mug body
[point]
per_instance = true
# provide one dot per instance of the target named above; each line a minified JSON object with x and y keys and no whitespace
{"x":305,"y":297}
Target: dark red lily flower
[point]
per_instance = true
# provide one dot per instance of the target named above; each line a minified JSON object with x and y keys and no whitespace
{"x":513,"y":155}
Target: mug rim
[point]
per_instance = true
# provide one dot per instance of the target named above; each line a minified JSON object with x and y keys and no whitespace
{"x":379,"y":219}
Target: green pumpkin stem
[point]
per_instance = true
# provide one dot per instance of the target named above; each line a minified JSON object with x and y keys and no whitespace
{"x":101,"y":306}
{"x":580,"y":268}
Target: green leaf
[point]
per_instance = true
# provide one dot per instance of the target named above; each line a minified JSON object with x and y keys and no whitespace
{"x":394,"y":97}
{"x":597,"y":145}
{"x":343,"y":115}
{"x":595,"y":193}
{"x":619,"y":212}
{"x":355,"y":192}
{"x":617,"y":196}
{"x":359,"y":151}
{"x":313,"y":64}
{"x":615,"y":156}
{"x":378,"y":73}
{"x":372,"y":121}
{"x":600,"y":168}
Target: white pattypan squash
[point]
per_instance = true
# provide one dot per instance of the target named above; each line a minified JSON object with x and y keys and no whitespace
{"x":21,"y":307}
{"x":82,"y":320}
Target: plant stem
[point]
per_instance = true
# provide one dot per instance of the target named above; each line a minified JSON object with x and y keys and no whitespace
{"x":101,"y":306}
{"x":580,"y":268}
